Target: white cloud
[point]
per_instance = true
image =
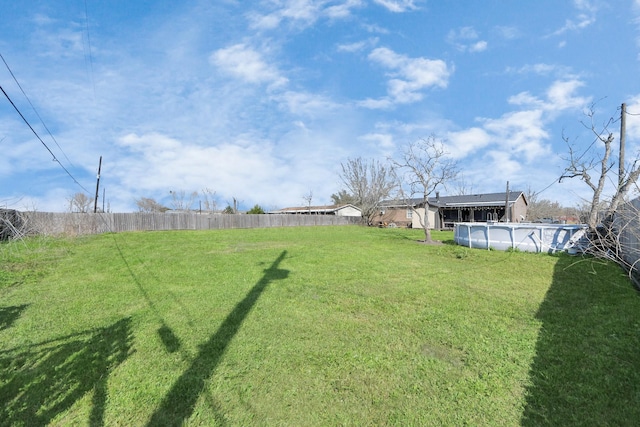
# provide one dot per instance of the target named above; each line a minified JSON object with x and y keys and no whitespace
{"x":306,"y":104}
{"x":372,"y":28}
{"x":408,"y":77}
{"x":539,"y":68}
{"x":343,"y":10}
{"x":526,"y":99}
{"x":523,"y":133}
{"x":478,"y":46}
{"x":156,"y":163}
{"x":633,"y":118}
{"x":586,"y":16}
{"x":247,"y":64}
{"x":466,"y":39}
{"x":302,"y":13}
{"x":357,"y":46}
{"x":460,"y":144}
{"x":507,"y":32}
{"x":381,"y":144}
{"x":561,"y":95}
{"x":397,"y":5}
{"x":376,"y":104}
{"x":503,"y":164}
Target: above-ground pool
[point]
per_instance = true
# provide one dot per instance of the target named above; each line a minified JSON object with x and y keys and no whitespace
{"x":528,"y":237}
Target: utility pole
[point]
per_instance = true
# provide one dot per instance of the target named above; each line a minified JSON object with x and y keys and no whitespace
{"x":95,"y":202}
{"x":506,"y":205}
{"x":623,"y":120}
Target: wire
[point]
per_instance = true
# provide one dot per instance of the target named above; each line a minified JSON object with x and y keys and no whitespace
{"x":547,"y":187}
{"x":55,"y":159}
{"x":34,"y":109}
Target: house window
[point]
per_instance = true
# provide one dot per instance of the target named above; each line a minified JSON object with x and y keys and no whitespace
{"x":409,"y":214}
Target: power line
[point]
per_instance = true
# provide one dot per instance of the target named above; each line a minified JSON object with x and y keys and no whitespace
{"x":55,"y":159}
{"x":555,"y":181}
{"x":34,"y":109}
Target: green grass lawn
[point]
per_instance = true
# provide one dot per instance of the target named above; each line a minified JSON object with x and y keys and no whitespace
{"x":311,"y":326}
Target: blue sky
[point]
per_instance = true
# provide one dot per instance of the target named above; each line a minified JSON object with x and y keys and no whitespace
{"x":261,"y":101}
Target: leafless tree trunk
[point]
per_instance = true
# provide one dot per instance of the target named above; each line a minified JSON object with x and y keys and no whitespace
{"x":540,"y":209}
{"x":147,"y":204}
{"x":308,"y":198}
{"x":463,"y":187}
{"x":424,"y":166}
{"x":369,"y":182}
{"x":597,"y":159}
{"x":210,"y":204}
{"x":612,"y":221}
{"x":181,"y":202}
{"x":80,"y":202}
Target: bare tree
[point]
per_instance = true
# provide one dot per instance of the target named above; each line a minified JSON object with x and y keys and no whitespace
{"x":463,"y":187}
{"x":80,"y":202}
{"x":308,"y":198}
{"x":594,"y":165}
{"x":181,"y":201}
{"x":539,"y":209}
{"x":423,"y":167}
{"x":210,"y":203}
{"x":147,"y":204}
{"x":369,"y":182}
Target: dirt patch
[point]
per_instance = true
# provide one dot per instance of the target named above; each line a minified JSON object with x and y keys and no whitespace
{"x":431,"y":242}
{"x":452,"y":356}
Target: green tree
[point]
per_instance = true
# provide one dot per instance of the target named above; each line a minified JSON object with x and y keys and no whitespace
{"x":256,"y":210}
{"x":343,"y":197}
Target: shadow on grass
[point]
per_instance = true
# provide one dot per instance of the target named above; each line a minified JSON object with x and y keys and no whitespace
{"x":8,"y":315}
{"x":40,"y":381}
{"x":177,"y":406}
{"x":587,"y":365}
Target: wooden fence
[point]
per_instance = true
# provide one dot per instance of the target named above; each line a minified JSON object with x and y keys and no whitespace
{"x":49,"y":223}
{"x":627,"y":226}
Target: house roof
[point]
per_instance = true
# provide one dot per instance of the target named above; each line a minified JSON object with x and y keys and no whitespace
{"x":467,"y":200}
{"x":489,"y":199}
{"x":316,"y":209}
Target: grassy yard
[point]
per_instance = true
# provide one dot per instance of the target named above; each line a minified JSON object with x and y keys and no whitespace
{"x":311,"y":326}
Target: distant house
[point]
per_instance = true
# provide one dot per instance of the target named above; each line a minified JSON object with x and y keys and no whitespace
{"x":446,"y":211}
{"x":338,"y":210}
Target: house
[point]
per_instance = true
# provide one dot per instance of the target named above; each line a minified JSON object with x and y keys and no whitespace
{"x":447,"y":210}
{"x":338,"y":210}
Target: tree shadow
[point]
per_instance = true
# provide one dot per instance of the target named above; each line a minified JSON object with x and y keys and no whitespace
{"x":179,"y":403}
{"x":40,"y":381}
{"x":8,"y":315}
{"x":169,"y":338}
{"x":586,"y":368}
